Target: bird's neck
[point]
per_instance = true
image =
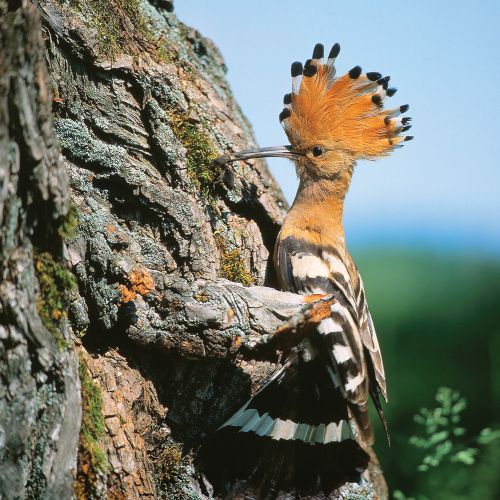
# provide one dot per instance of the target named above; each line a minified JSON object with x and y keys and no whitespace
{"x":317,"y":211}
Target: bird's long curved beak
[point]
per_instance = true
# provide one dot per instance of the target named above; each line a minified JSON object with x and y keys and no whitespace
{"x":275,"y":151}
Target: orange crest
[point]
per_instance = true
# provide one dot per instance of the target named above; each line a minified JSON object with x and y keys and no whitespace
{"x":346,"y":112}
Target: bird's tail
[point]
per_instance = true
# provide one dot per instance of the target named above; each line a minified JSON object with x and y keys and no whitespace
{"x":292,"y":438}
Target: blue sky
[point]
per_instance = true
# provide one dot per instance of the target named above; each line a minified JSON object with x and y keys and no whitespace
{"x":441,"y":190}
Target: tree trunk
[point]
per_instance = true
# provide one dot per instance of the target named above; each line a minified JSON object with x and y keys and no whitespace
{"x":171,"y":255}
{"x":40,"y":409}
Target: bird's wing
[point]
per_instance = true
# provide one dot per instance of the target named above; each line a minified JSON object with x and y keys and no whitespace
{"x":347,"y":339}
{"x":370,"y":341}
{"x":373,"y":356}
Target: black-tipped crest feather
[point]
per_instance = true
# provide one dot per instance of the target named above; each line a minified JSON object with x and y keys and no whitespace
{"x":318,"y":51}
{"x":334,"y":51}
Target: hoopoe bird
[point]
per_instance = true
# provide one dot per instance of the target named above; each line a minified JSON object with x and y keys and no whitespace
{"x":307,"y":430}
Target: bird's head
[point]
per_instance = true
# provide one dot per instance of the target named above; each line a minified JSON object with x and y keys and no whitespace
{"x":332,"y":122}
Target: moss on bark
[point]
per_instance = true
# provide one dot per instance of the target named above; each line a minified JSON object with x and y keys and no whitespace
{"x":92,"y":461}
{"x":55,"y":282}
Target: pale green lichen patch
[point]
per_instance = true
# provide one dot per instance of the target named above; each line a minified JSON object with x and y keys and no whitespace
{"x":80,"y":145}
{"x":34,"y":464}
{"x":173,"y":472}
{"x":92,"y":461}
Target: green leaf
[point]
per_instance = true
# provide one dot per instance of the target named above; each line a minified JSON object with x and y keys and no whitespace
{"x":439,"y":436}
{"x":419,"y":419}
{"x":459,"y":406}
{"x":487,"y":436}
{"x":399,"y":495}
{"x":466,"y":457}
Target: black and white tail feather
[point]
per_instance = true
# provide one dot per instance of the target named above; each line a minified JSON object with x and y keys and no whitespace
{"x":293,"y":439}
{"x":306,"y":430}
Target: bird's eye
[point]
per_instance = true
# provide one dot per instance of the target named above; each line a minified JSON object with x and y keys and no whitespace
{"x":318,"y":151}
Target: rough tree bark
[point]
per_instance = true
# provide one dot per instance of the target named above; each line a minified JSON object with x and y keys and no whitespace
{"x":171,"y":255}
{"x":39,"y":386}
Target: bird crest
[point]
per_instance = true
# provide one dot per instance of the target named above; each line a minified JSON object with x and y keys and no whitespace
{"x":345,"y":113}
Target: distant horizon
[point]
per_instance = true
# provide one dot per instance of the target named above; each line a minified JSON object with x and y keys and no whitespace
{"x":439,"y":190}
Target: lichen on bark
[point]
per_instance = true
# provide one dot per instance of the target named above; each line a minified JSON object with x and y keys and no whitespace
{"x":166,"y":248}
{"x":39,"y":387}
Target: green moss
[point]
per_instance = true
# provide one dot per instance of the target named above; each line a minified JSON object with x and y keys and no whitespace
{"x":200,"y":153}
{"x":101,"y":16}
{"x":202,"y":297}
{"x":232,"y":264}
{"x":92,"y":461}
{"x":173,"y":469}
{"x":170,"y":463}
{"x":164,"y":54}
{"x":55,"y":283}
{"x":69,"y":227}
{"x":111,"y":20}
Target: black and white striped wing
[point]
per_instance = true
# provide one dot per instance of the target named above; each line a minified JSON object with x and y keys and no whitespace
{"x":295,"y":432}
{"x":370,"y":341}
{"x":307,"y":269}
{"x":347,"y":340}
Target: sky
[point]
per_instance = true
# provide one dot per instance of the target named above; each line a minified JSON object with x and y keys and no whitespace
{"x":440,"y":191}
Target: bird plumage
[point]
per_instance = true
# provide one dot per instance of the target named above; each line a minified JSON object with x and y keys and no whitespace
{"x":306,"y":431}
{"x":346,"y":113}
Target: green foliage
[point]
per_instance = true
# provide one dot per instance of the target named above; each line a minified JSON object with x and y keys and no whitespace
{"x":442,"y":431}
{"x":455,"y":481}
{"x":93,"y":427}
{"x":92,"y":460}
{"x":438,"y":323}
{"x":488,"y":436}
{"x":443,"y":435}
{"x":173,"y":469}
{"x":443,"y":440}
{"x":399,"y":495}
{"x":55,"y":282}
